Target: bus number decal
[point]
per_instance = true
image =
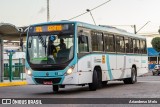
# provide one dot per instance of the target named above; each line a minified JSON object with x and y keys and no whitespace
{"x":38,"y":29}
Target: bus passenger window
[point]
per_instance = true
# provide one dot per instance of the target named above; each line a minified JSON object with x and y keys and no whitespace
{"x":94,"y":42}
{"x":141,"y":46}
{"x":106,"y":44}
{"x":135,"y":46}
{"x":126,"y":45}
{"x":100,"y":42}
{"x":97,"y":41}
{"x":117,"y":44}
{"x":83,"y":47}
{"x":144,"y":47}
{"x":130,"y":45}
{"x":138,"y":46}
{"x":121,"y":44}
{"x":111,"y":43}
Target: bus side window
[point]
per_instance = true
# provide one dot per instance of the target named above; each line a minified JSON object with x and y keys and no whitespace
{"x":94,"y":44}
{"x":83,"y":46}
{"x":100,"y":41}
{"x":97,"y":41}
{"x":130,"y":45}
{"x":122,"y":44}
{"x":134,"y":46}
{"x":144,"y":47}
{"x":106,"y":44}
{"x":117,"y":44}
{"x":126,"y":45}
{"x":111,"y":43}
{"x":138,"y":46}
{"x":141,"y":46}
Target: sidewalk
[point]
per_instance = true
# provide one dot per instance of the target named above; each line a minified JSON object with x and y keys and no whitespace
{"x":7,"y":83}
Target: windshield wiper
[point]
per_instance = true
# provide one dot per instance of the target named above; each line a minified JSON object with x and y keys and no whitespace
{"x":42,"y":42}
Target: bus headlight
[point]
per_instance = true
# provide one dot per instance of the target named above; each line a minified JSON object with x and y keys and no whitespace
{"x":69,"y":71}
{"x":29,"y":72}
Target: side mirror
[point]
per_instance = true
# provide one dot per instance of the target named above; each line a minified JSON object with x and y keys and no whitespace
{"x":82,"y":39}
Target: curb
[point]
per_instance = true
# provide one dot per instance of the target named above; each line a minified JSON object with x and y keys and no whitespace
{"x":7,"y":84}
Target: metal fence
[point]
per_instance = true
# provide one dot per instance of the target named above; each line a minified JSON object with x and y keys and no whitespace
{"x":14,"y":72}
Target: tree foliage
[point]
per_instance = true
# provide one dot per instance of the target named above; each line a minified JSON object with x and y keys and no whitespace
{"x":156,"y":43}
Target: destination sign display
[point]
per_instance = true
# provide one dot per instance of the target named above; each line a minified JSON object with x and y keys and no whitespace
{"x":51,"y":28}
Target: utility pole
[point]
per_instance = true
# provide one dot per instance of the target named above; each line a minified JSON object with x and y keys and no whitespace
{"x":48,"y":19}
{"x":10,"y":54}
{"x":134,"y":26}
{"x":1,"y":60}
{"x":159,"y":30}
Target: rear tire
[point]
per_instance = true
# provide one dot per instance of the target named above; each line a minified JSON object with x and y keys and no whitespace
{"x":94,"y":85}
{"x":133,"y":78}
{"x":55,"y":88}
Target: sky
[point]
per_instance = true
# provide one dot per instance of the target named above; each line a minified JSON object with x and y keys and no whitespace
{"x":116,"y":12}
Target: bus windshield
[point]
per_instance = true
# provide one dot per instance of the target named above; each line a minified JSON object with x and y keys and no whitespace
{"x":53,"y":48}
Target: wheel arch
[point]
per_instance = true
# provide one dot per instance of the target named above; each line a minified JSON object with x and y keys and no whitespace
{"x":134,"y":66}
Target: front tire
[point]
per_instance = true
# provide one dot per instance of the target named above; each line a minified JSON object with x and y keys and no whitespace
{"x":133,"y":78}
{"x":94,"y":85}
{"x":55,"y":88}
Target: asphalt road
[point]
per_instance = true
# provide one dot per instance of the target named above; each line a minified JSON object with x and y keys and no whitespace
{"x":147,"y":87}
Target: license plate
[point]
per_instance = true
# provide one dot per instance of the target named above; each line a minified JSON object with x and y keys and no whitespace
{"x":47,"y":82}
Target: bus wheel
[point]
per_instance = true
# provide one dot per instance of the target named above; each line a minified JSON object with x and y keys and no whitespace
{"x":93,"y":86}
{"x":133,"y":78}
{"x":55,"y":88}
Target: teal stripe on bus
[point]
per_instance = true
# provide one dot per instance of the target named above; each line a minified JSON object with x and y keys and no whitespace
{"x":109,"y":68}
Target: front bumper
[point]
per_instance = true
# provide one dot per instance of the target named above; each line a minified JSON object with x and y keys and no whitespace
{"x":53,"y":80}
{"x":71,"y":79}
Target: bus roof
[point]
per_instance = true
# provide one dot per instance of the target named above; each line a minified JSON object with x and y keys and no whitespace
{"x":108,"y":29}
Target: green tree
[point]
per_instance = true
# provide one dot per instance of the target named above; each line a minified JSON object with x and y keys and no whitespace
{"x":156,"y":43}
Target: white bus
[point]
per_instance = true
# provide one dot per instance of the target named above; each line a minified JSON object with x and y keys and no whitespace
{"x":91,"y":55}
